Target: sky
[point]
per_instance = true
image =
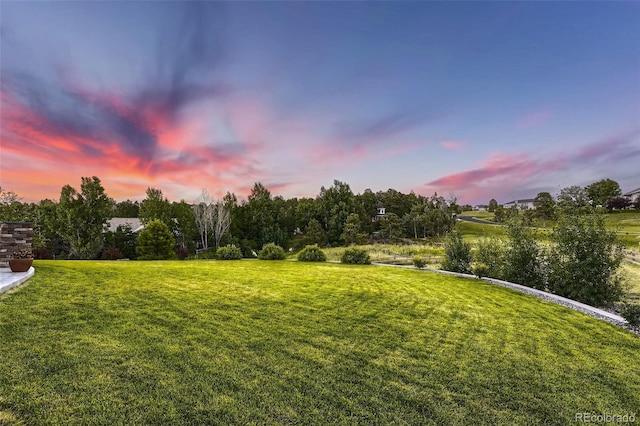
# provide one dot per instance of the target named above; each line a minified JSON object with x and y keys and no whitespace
{"x":477,"y":100}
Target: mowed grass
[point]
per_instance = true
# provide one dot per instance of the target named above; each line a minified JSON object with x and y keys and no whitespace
{"x":256,"y":342}
{"x":623,"y":221}
{"x":626,"y":225}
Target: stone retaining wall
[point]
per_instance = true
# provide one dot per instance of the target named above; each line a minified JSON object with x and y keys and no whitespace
{"x":14,"y":236}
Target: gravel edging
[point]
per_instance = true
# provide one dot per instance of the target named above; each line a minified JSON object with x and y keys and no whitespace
{"x":558,"y":300}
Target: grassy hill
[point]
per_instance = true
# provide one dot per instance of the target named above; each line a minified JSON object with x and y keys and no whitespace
{"x":253,"y":342}
{"x":625,"y":223}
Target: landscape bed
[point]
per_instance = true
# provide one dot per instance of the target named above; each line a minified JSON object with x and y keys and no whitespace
{"x":285,"y":342}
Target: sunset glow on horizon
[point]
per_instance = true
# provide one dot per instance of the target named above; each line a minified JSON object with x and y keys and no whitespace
{"x":479,"y":100}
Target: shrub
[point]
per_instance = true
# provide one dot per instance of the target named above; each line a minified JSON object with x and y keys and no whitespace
{"x":41,"y":253}
{"x":312,"y":254}
{"x":631,"y":312}
{"x":124,"y":239}
{"x":356,"y":256}
{"x":419,"y":262}
{"x":229,"y":252}
{"x":457,"y":254}
{"x":524,"y":258}
{"x":480,"y":270}
{"x":272,"y":251}
{"x":246,"y":247}
{"x":491,"y":253}
{"x":155,"y":242}
{"x":181,"y":252}
{"x":584,"y":261}
{"x":112,"y":253}
{"x":209,"y":254}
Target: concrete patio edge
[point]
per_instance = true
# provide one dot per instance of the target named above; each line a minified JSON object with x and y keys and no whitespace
{"x":9,"y":280}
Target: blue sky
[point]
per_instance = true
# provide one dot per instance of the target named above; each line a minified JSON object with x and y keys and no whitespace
{"x":480,"y":99}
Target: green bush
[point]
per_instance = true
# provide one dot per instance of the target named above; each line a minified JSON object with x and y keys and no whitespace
{"x":312,"y":254}
{"x":229,"y":252}
{"x":356,"y":256}
{"x":491,"y":253}
{"x":457,"y":254}
{"x":419,"y":262}
{"x":272,"y":251}
{"x":246,"y":247}
{"x":585,"y":261}
{"x":631,"y":312}
{"x":480,"y":270}
{"x":524,"y":258}
{"x":209,"y":254}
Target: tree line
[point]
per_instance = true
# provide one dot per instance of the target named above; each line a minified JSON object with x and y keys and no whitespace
{"x":75,"y":226}
{"x":603,"y":194}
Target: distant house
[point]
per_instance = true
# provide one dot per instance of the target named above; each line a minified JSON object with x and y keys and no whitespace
{"x":632,"y":196}
{"x":480,"y":208}
{"x":523,"y":204}
{"x":135,"y":223}
{"x":380,"y":213}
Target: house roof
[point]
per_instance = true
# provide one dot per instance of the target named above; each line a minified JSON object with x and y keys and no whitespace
{"x":135,"y":223}
{"x":524,"y":200}
{"x":635,"y":191}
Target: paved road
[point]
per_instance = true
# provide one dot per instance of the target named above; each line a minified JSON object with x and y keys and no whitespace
{"x":476,"y":220}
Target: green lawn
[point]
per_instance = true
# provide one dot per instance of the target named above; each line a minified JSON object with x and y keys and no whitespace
{"x":626,"y":224}
{"x":632,"y":273}
{"x":473,"y":231}
{"x":625,"y":221}
{"x":257,"y":342}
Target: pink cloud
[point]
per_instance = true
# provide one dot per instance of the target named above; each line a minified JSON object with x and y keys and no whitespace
{"x":512,"y":173}
{"x":453,"y":145}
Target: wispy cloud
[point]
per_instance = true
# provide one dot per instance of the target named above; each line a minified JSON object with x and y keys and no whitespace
{"x":140,"y":131}
{"x":453,"y":145}
{"x":514,"y":173}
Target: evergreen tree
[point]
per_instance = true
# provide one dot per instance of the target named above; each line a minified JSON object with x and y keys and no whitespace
{"x":156,"y":206}
{"x":314,"y":234}
{"x":156,"y":241}
{"x":391,"y":226}
{"x":352,"y":234}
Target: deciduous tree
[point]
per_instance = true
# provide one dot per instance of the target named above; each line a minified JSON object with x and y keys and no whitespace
{"x":156,"y":206}
{"x":545,"y":206}
{"x":82,"y":216}
{"x":599,"y":192}
{"x":585,"y":261}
